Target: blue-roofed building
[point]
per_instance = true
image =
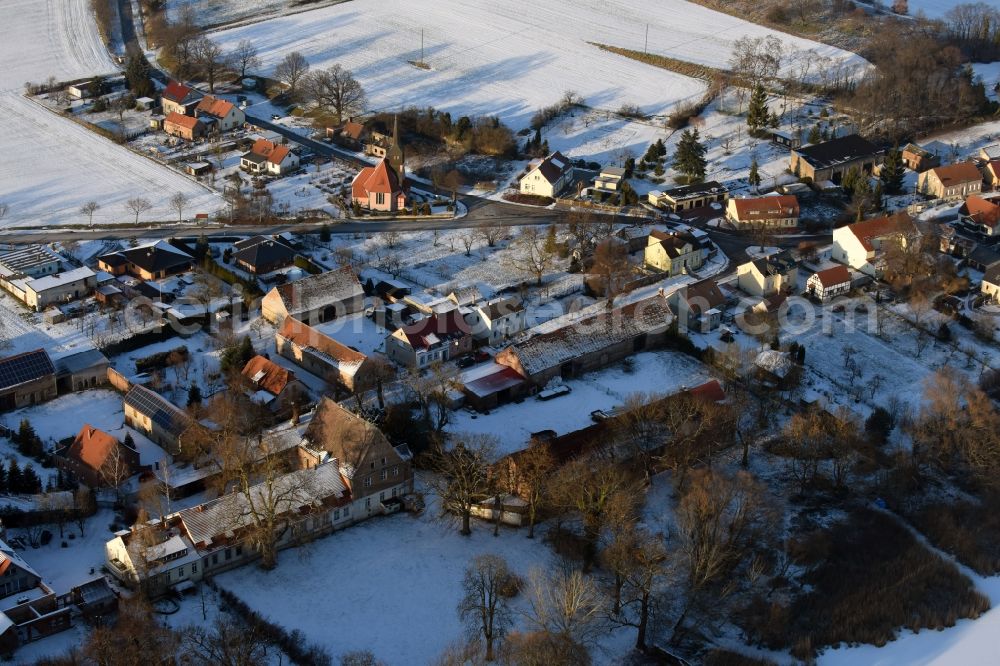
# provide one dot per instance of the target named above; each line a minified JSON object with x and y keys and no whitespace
{"x":26,"y":379}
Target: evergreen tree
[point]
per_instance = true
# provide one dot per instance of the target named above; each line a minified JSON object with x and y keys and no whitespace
{"x":551,"y":245}
{"x":757,"y":113}
{"x":15,"y":480}
{"x":324,"y":233}
{"x":774,"y":120}
{"x":128,"y":441}
{"x":194,"y":395}
{"x":137,"y":75}
{"x":3,"y":478}
{"x":25,"y":438}
{"x":690,"y":156}
{"x":893,"y":172}
{"x":814,"y":135}
{"x":536,"y":141}
{"x":30,"y":481}
{"x":754,"y":177}
{"x":661,"y":149}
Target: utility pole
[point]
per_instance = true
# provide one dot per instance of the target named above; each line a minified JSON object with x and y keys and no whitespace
{"x":421,"y":46}
{"x":645,"y":46}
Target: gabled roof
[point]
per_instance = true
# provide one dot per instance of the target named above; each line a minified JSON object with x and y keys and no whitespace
{"x":160,"y":411}
{"x":501,"y":307}
{"x":179,"y":93}
{"x":38,"y":285}
{"x":673,"y":243}
{"x":318,"y":291}
{"x":92,"y":447}
{"x":695,"y":190}
{"x":23,"y":368}
{"x":993,"y":166}
{"x":215,"y":107}
{"x":982,"y":211}
{"x":766,"y":208}
{"x":705,"y":293}
{"x":345,"y":435}
{"x":775,"y":264}
{"x":152,"y":257}
{"x":265,"y":253}
{"x":267,"y":375}
{"x":837,"y":151}
{"x":992,"y":275}
{"x":353,"y":129}
{"x":348,"y":361}
{"x":430,"y":330}
{"x":380,"y":178}
{"x":274,"y":153}
{"x":591,"y":334}
{"x":831,"y":277}
{"x":81,"y":360}
{"x":553,"y":167}
{"x":882,"y":227}
{"x":187,"y":122}
{"x":955,"y":174}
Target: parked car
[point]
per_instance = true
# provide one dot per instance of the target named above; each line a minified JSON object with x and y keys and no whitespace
{"x":599,"y":415}
{"x":466,"y":362}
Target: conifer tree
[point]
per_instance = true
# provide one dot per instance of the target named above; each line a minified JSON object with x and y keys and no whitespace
{"x":754,"y":177}
{"x":893,"y":172}
{"x":690,"y":156}
{"x":757,"y":113}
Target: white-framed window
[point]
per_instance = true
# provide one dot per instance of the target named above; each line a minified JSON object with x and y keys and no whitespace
{"x":383,"y":475}
{"x":368,"y":482}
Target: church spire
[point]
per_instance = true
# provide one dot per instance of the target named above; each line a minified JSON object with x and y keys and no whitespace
{"x":394,"y":154}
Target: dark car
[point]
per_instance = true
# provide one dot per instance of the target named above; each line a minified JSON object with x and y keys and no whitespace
{"x":466,"y":362}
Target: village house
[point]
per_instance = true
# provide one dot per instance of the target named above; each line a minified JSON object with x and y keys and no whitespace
{"x":323,"y":356}
{"x":991,"y":174}
{"x":188,"y":128}
{"x":152,"y":261}
{"x":352,"y":134}
{"x":954,"y":181}
{"x":609,"y":181}
{"x":829,"y":283}
{"x":316,"y":298}
{"x":383,"y":187}
{"x":156,"y":417}
{"x":917,"y":158}
{"x":496,"y":320}
{"x":274,"y":386}
{"x":698,"y":306}
{"x":434,"y":338}
{"x":41,"y":292}
{"x":218,"y":115}
{"x":772,"y":212}
{"x":466,"y":296}
{"x":859,"y":245}
{"x":270,"y":158}
{"x":831,"y":160}
{"x":548,"y":177}
{"x":981,"y":215}
{"x":488,"y":385}
{"x":179,"y":98}
{"x":30,"y":261}
{"x":990,"y":152}
{"x":770,"y":275}
{"x":683,"y":198}
{"x":182,"y":548}
{"x":573,"y":345}
{"x":261,"y":255}
{"x":674,"y":253}
{"x":990,"y":286}
{"x":26,"y":379}
{"x":81,"y":370}
{"x":378,"y":474}
{"x":96,"y":459}
{"x":29,"y":607}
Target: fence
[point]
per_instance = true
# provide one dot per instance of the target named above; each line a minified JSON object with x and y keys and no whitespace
{"x":118,"y":380}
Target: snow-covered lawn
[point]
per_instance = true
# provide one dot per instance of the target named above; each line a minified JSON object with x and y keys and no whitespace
{"x":390,"y":585}
{"x":658,"y":372}
{"x":61,"y":164}
{"x":63,"y":417}
{"x":509,"y":59}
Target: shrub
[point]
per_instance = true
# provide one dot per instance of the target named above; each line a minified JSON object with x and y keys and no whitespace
{"x":970,"y":531}
{"x":159,"y":360}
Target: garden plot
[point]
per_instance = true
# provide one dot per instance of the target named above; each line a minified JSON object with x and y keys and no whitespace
{"x":659,"y":372}
{"x":509,"y":59}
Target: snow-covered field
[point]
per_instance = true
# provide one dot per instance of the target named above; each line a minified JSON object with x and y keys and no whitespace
{"x":508,"y":59}
{"x":60,"y":165}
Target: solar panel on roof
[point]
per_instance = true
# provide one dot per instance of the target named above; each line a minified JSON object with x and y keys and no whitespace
{"x":25,"y":368}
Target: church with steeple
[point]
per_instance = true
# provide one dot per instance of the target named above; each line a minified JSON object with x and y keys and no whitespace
{"x":383,"y":187}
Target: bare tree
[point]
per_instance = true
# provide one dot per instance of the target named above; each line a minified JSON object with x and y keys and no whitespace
{"x":226,"y":642}
{"x":533,"y":470}
{"x":115,"y":470}
{"x":178,"y":202}
{"x":335,"y":90}
{"x":138,"y":206}
{"x":291,"y":70}
{"x":613,"y":268}
{"x":533,"y":254}
{"x":462,"y":477}
{"x":88,"y":209}
{"x":136,"y":637}
{"x":492,"y":234}
{"x":210,"y":60}
{"x":245,"y":57}
{"x":484,"y":607}
{"x":567,"y":605}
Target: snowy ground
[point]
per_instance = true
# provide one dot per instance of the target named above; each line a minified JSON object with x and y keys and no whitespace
{"x":989,"y":72}
{"x":512,"y":58}
{"x":61,"y":165}
{"x":659,"y":372}
{"x":390,"y":585}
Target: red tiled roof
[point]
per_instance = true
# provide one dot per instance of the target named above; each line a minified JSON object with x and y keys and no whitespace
{"x":446,"y":324}
{"x":353,"y":129}
{"x":269,"y":150}
{"x":710,"y":391}
{"x":766,"y":208}
{"x":833,"y":276}
{"x":304,"y":335}
{"x":379,"y":178}
{"x":214,"y":106}
{"x":982,"y":211}
{"x":993,"y":166}
{"x":274,"y":379}
{"x":176,"y":92}
{"x":187,"y":122}
{"x":880,"y":227}
{"x":92,"y":446}
{"x":953,"y":174}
